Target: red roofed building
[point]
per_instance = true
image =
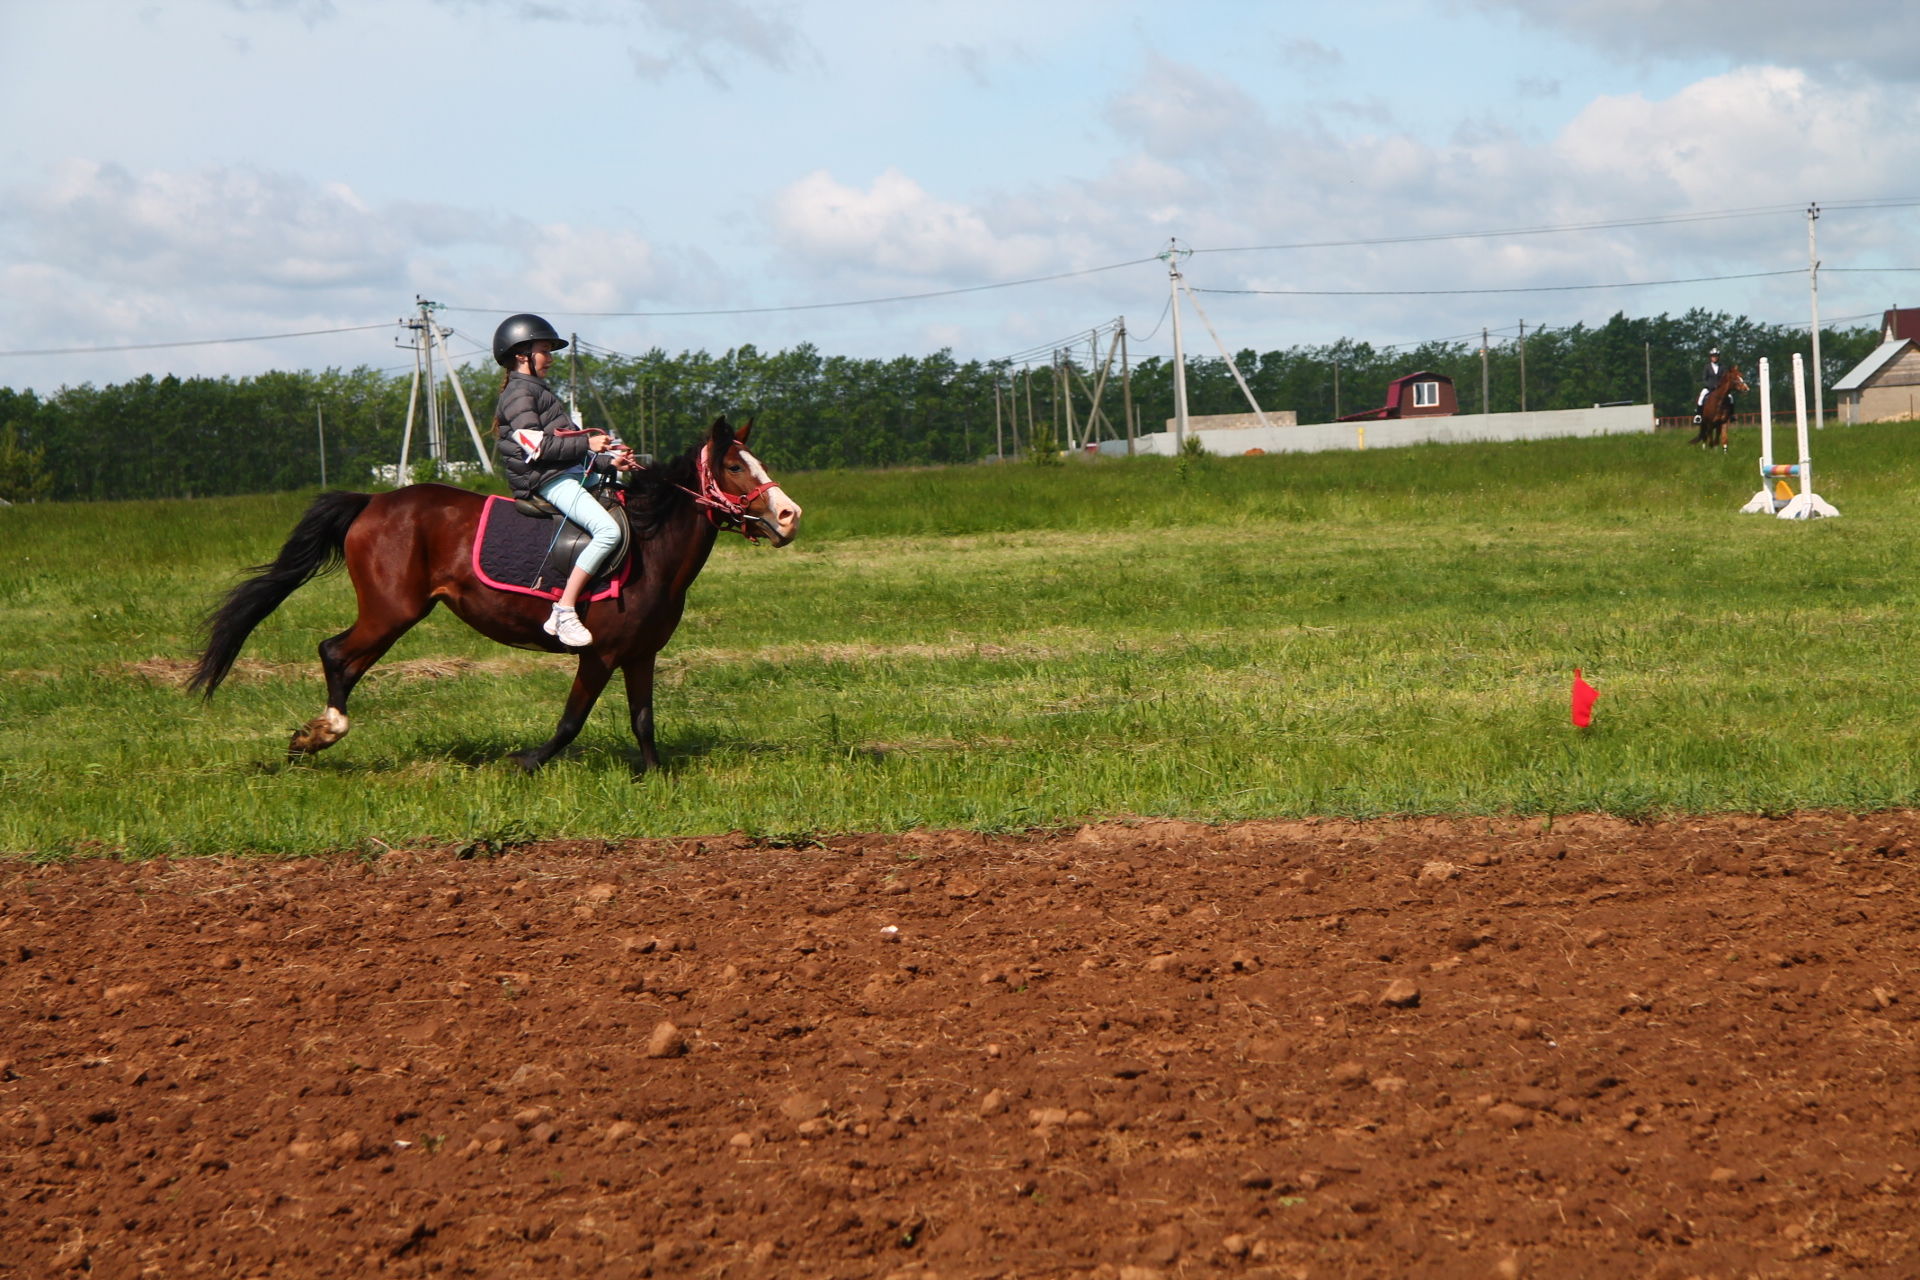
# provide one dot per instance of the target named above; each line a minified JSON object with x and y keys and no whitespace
{"x":1900,"y":322}
{"x":1886,"y":385}
{"x":1417,"y":395}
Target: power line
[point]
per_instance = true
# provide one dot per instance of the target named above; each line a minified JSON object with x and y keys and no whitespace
{"x":823,"y":306}
{"x":199,"y":342}
{"x":1063,"y":344}
{"x":1899,"y":202}
{"x":1758,"y":211}
{"x":1543,"y":288}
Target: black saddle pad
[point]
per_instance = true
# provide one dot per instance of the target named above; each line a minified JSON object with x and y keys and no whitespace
{"x":533,"y":555}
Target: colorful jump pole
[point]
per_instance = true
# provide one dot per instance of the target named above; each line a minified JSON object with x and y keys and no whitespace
{"x":1763,"y":503}
{"x":1806,"y":505}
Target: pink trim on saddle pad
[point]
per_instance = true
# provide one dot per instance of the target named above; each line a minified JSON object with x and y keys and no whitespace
{"x":607,"y":592}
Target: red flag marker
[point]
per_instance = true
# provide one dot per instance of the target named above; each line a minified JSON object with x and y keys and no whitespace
{"x":1584,"y":695}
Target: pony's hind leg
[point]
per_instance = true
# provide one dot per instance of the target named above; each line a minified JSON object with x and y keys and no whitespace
{"x":345,"y":658}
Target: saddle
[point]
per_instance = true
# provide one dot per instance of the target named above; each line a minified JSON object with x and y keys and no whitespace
{"x":525,"y":545}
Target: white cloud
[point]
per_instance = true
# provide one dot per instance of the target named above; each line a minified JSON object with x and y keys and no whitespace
{"x":587,"y":269}
{"x":233,"y":228}
{"x":1179,"y":109}
{"x":100,"y":256}
{"x":1226,"y":173}
{"x":895,"y":227}
{"x":1749,"y":137}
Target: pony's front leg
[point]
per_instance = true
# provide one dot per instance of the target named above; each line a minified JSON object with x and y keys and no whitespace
{"x":639,"y":673}
{"x":588,"y":681}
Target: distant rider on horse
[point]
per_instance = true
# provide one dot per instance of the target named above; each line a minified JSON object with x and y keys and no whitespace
{"x":1710,"y":379}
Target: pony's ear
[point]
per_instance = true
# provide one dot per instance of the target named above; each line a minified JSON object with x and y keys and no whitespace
{"x":721,"y":435}
{"x":741,"y":435}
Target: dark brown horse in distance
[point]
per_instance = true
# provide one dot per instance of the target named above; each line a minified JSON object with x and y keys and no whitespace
{"x":411,"y":549}
{"x":1715,"y":416}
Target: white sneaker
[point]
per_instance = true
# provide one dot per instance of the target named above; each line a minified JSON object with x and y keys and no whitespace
{"x":564,"y":624}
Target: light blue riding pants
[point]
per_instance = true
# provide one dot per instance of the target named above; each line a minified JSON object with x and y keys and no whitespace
{"x":576,"y":504}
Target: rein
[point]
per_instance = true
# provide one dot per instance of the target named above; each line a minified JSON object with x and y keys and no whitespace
{"x":726,"y":510}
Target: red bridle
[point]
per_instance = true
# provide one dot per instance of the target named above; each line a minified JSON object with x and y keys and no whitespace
{"x":726,"y":510}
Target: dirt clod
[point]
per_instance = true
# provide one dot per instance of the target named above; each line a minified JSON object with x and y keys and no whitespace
{"x":666,"y":1042}
{"x":1401,"y":993}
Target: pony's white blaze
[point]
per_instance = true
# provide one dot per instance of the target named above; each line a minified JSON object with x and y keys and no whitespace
{"x":782,"y":511}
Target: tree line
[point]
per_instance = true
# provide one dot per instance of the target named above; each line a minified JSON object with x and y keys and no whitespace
{"x":191,"y":437}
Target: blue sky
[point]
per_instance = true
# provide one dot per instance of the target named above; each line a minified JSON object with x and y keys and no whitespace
{"x":213,"y":169}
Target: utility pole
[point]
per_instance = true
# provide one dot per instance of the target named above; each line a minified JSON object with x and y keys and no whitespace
{"x":1093,"y":408}
{"x":436,"y":441}
{"x":1233,"y":367}
{"x":1523,"y":366}
{"x":573,"y":379}
{"x":1056,"y":402}
{"x":1016,"y":430}
{"x":320,"y":425}
{"x":1486,"y":405}
{"x":427,"y":334}
{"x":1649,"y":362}
{"x":1064,"y":361}
{"x":460,"y":393}
{"x":1126,"y":386}
{"x":999,"y":444}
{"x":1172,"y":255}
{"x":1813,"y":290}
{"x":400,"y":476}
{"x":1336,"y":388}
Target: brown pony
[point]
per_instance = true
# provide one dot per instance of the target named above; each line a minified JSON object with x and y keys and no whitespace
{"x":1715,"y":416}
{"x":411,"y":549}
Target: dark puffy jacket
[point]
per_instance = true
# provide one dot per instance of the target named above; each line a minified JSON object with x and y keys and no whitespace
{"x":537,"y":439}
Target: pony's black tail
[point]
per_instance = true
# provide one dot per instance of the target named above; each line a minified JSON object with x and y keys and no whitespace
{"x":314,"y":547}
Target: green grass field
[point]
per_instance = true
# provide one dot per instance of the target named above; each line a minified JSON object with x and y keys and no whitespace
{"x":1387,"y":632}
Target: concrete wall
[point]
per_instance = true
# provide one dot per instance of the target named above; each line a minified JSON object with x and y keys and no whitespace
{"x":1239,"y":421}
{"x":1385,"y":434}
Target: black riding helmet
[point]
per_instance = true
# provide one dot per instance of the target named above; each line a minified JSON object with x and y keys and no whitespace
{"x":517,"y":331}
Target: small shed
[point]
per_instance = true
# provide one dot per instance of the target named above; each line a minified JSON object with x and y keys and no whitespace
{"x":1885,"y":387}
{"x":1416,"y":395}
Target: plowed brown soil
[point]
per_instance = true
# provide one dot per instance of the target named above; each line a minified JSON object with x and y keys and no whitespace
{"x":1433,"y":1048}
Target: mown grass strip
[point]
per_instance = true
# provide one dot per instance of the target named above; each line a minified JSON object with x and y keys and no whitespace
{"x":1352,"y":634}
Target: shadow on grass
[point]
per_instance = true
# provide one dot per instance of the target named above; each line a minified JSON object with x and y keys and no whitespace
{"x":493,"y":751}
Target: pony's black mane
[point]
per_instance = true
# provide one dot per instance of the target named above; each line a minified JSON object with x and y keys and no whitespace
{"x":655,"y":494}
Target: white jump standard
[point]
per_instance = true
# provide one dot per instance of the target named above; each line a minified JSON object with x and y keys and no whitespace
{"x":1805,"y":505}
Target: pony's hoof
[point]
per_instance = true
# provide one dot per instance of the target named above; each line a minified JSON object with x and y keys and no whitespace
{"x":527,"y":761}
{"x":318,"y":733}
